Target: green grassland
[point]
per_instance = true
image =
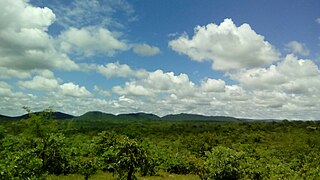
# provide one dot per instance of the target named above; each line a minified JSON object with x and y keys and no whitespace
{"x":144,"y":146}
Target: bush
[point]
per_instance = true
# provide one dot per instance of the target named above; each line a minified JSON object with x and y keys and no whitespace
{"x":122,"y":155}
{"x":222,"y":163}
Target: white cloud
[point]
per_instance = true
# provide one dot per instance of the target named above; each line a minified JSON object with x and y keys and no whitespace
{"x":6,"y":91}
{"x":213,"y":85}
{"x":291,"y":75}
{"x":298,"y":48}
{"x":279,"y":91}
{"x":146,"y":50}
{"x":270,"y":99}
{"x":101,"y":91}
{"x":6,"y":73}
{"x":24,"y":41}
{"x":227,"y":46}
{"x":235,"y":93}
{"x":158,"y":82}
{"x":260,"y":78}
{"x":132,"y":89}
{"x":68,"y":104}
{"x":92,"y":12}
{"x":91,"y":40}
{"x":17,"y":15}
{"x":45,"y":81}
{"x":73,"y":90}
{"x":299,"y":68}
{"x":119,"y":70}
{"x":257,"y":93}
{"x":318,"y":20}
{"x":40,"y":83}
{"x":4,"y":85}
{"x":173,"y":34}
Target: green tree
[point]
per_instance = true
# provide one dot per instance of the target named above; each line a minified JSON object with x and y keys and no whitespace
{"x":122,"y":155}
{"x":222,"y":163}
{"x":18,"y":159}
{"x":36,"y":151}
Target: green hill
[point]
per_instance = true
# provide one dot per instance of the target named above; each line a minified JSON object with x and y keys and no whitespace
{"x":97,"y":115}
{"x":197,"y":117}
{"x":101,"y":116}
{"x":56,"y":115}
{"x":139,"y":116}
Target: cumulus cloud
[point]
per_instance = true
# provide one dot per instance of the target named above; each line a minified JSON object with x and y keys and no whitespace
{"x":213,"y":85}
{"x":7,"y":73}
{"x":4,"y":85}
{"x":119,"y":70}
{"x":227,"y":46}
{"x":270,"y":99}
{"x":132,"y":89}
{"x":101,"y":91}
{"x":63,"y":103}
{"x":278,"y":91}
{"x":146,"y":50}
{"x":179,"y":85}
{"x":291,"y":75}
{"x":260,"y":78}
{"x":16,"y":15}
{"x":6,"y":91}
{"x":74,"y":90}
{"x":158,"y":82}
{"x":45,"y":81}
{"x":24,"y":41}
{"x":165,"y":92}
{"x":260,"y":88}
{"x":298,"y":48}
{"x":257,"y":93}
{"x":40,"y":83}
{"x":91,"y":40}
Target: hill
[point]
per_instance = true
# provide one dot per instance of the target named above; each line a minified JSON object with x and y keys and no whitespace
{"x":95,"y":115}
{"x":197,"y":117}
{"x":56,"y":115}
{"x":139,"y":116}
{"x":101,"y":116}
{"x":6,"y":118}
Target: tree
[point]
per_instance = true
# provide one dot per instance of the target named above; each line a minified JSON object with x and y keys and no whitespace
{"x":37,"y":150}
{"x":123,"y":155}
{"x":223,"y":163}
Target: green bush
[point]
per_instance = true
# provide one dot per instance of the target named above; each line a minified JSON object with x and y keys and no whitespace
{"x":222,"y":163}
{"x":122,"y":155}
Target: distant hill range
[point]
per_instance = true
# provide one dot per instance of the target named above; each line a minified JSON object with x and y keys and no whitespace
{"x":197,"y":117}
{"x":97,"y":115}
{"x":56,"y":115}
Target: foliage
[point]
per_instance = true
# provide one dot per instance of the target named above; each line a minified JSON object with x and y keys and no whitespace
{"x":122,"y":155}
{"x":36,"y":151}
{"x":223,"y":163}
{"x":40,"y":146}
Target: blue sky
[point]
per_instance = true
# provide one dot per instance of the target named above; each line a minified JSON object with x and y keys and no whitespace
{"x":253,"y":59}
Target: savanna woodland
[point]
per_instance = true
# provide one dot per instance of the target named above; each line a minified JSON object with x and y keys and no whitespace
{"x":143,"y":146}
{"x":196,"y":89}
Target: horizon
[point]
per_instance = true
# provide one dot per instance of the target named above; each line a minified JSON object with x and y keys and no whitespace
{"x":244,"y":59}
{"x":146,"y":113}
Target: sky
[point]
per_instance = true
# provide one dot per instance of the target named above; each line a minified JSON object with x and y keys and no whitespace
{"x":246,"y":58}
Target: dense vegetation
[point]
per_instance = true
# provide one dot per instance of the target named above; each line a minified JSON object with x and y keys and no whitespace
{"x":39,"y":146}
